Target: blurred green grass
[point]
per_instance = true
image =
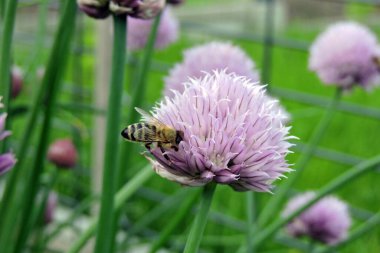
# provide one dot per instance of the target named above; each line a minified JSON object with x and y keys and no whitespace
{"x":347,"y":133}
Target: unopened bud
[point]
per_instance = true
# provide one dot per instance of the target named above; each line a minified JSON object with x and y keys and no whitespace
{"x":63,"y":153}
{"x":94,"y":8}
{"x":144,"y":9}
{"x":17,"y":81}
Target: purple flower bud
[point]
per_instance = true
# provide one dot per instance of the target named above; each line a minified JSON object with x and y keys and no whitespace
{"x":207,"y":58}
{"x":51,"y":204}
{"x":344,"y":54}
{"x":17,"y":81}
{"x":144,"y":9}
{"x":326,"y":221}
{"x":231,"y":134}
{"x":7,"y":161}
{"x":175,"y":2}
{"x":139,"y":30}
{"x":95,"y":9}
{"x":63,"y":153}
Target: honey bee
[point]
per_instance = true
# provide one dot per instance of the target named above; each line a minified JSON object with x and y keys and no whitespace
{"x":152,"y":130}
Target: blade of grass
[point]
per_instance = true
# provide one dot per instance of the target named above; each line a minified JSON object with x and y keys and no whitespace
{"x":179,"y":216}
{"x":104,"y":238}
{"x":275,"y":202}
{"x":55,"y":70}
{"x":5,"y":56}
{"x":121,"y":197}
{"x":137,"y":98}
{"x":345,"y":178}
{"x":199,"y":224}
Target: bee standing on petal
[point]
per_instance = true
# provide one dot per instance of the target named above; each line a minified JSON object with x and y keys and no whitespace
{"x":153,"y":131}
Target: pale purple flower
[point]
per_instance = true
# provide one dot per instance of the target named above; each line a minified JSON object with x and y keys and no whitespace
{"x":207,"y":58}
{"x":139,"y":30}
{"x":7,"y":160}
{"x":327,"y":221}
{"x":344,"y":55}
{"x":231,"y":134}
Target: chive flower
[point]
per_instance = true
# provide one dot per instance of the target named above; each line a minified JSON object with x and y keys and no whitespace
{"x":7,"y":160}
{"x":63,"y":153}
{"x":231,"y":134}
{"x":207,"y":58}
{"x":139,"y":30}
{"x":345,"y":55}
{"x":327,"y":221}
{"x":100,"y":9}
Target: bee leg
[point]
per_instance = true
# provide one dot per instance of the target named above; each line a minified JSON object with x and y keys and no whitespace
{"x":147,"y":145}
{"x":163,"y":151}
{"x":174,"y":147}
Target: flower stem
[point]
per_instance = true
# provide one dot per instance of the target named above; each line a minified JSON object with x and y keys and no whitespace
{"x":5,"y":56}
{"x":122,"y":195}
{"x":250,"y":219}
{"x":345,"y":178}
{"x":137,"y":98}
{"x":53,"y":77}
{"x":179,"y":216}
{"x":104,"y":238}
{"x":49,"y":86}
{"x":370,"y":224}
{"x":197,"y":229}
{"x":275,"y":202}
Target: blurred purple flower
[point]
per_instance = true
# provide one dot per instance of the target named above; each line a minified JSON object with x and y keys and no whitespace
{"x":231,"y":135}
{"x":7,"y":160}
{"x":326,"y":221}
{"x":142,"y":9}
{"x":344,"y":55}
{"x":206,"y":58}
{"x":51,"y":205}
{"x":17,"y":81}
{"x":98,"y":9}
{"x":139,"y":30}
{"x":175,"y":2}
{"x":63,"y":153}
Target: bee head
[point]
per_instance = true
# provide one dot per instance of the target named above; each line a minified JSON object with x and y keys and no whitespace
{"x":179,"y":137}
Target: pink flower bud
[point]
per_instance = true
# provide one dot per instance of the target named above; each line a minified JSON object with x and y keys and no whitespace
{"x":63,"y":153}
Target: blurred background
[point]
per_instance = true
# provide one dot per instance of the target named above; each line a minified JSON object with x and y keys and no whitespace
{"x":276,"y":34}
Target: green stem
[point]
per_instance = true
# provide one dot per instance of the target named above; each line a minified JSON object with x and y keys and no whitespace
{"x":39,"y":215}
{"x":179,"y":216}
{"x":163,"y":208}
{"x":137,"y":98}
{"x":367,"y":226}
{"x":250,"y":220}
{"x":104,"y":239}
{"x":121,"y":197}
{"x":345,"y":178}
{"x":52,"y":81}
{"x":5,"y":56}
{"x":273,"y":205}
{"x":49,"y":86}
{"x":198,"y":227}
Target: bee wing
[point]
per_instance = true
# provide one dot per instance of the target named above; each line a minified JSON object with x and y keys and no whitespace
{"x":146,"y":117}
